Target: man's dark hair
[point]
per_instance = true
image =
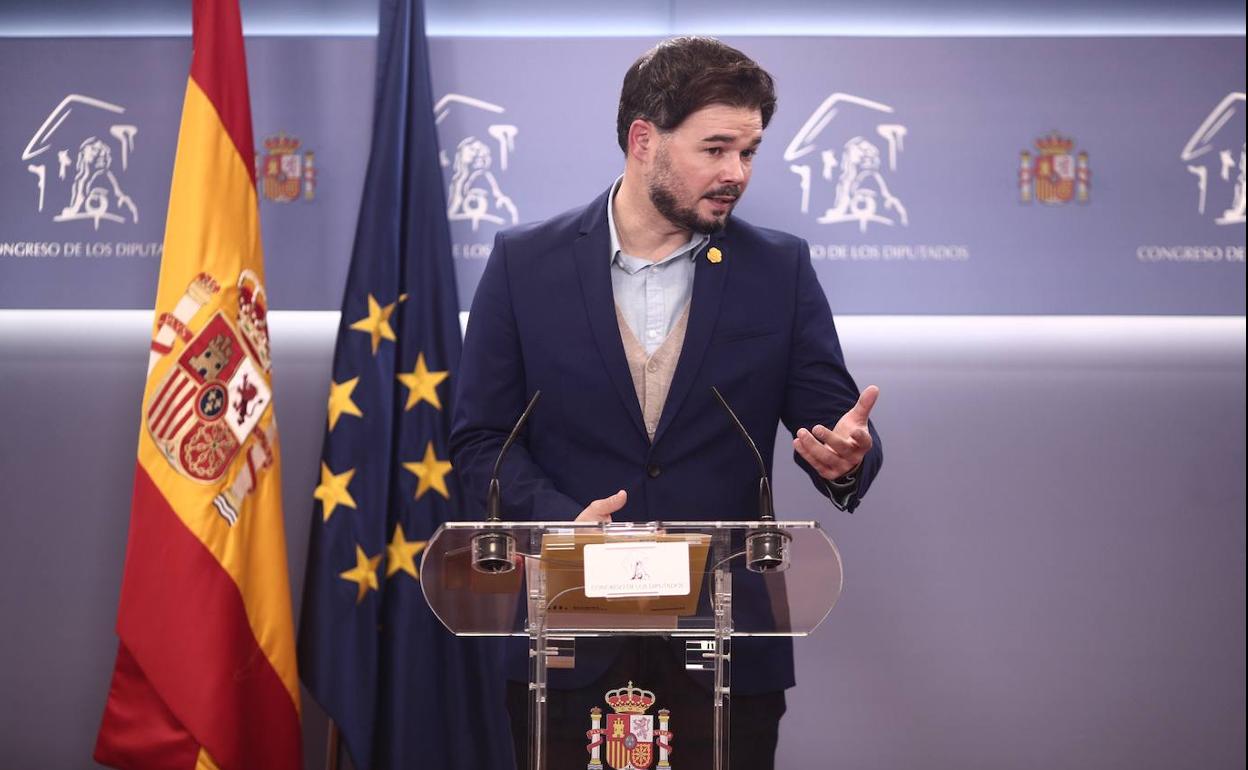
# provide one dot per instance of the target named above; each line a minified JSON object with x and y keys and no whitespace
{"x":682,"y":75}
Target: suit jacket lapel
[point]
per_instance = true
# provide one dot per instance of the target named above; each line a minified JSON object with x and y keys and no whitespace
{"x":592,"y":252}
{"x":709,"y":279}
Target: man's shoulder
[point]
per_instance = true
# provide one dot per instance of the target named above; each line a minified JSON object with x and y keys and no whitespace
{"x":563,"y":228}
{"x":559,"y":227}
{"x":763,"y":239}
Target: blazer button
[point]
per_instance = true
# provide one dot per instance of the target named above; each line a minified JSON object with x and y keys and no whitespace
{"x":653,"y":470}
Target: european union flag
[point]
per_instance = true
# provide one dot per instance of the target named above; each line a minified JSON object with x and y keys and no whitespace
{"x":404,"y":692}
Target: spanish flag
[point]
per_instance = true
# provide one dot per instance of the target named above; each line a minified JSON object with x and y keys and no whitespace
{"x":205,"y":673}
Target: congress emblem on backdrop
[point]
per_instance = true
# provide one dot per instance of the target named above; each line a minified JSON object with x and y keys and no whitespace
{"x":843,"y":157}
{"x":1055,"y":176}
{"x":483,"y":147}
{"x":283,"y":173}
{"x":630,"y":738}
{"x":1215,"y":156}
{"x":78,"y":158}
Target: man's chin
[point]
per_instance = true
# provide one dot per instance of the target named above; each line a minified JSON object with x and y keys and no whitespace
{"x":713,"y":225}
{"x":690,"y":218}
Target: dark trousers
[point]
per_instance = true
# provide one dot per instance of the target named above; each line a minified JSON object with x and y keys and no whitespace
{"x":650,"y":665}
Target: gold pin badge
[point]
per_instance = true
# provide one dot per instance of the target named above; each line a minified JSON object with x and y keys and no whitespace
{"x":715,"y":256}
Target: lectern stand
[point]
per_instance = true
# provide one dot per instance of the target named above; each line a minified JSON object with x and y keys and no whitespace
{"x":685,"y":580}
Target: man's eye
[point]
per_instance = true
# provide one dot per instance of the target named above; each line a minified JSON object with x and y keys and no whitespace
{"x":747,"y":154}
{"x":715,"y":150}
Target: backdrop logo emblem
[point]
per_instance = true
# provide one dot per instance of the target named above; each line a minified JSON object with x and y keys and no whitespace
{"x":283,"y":173}
{"x":79,"y":156}
{"x":483,"y":147}
{"x":1055,"y":176}
{"x":1216,"y":151}
{"x":846,"y":150}
{"x":630,"y":737}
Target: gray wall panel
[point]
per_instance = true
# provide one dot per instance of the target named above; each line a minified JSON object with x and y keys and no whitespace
{"x":1049,"y":572}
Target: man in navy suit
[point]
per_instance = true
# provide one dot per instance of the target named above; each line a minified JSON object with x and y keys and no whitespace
{"x":625,"y":313}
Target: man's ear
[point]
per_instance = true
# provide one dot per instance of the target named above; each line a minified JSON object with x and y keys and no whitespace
{"x":643,"y":137}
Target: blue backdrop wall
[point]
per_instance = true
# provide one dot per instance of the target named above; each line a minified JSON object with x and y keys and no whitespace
{"x":930,"y":175}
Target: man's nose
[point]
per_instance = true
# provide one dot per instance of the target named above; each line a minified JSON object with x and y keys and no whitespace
{"x":733,"y":170}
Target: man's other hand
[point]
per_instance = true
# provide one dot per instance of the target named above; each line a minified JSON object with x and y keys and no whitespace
{"x":836,"y":452}
{"x":599,"y":511}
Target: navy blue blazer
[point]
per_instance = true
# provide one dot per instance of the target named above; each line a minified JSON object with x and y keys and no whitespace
{"x":544,"y":319}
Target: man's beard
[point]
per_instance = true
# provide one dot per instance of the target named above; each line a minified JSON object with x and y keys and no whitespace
{"x":685,"y":217}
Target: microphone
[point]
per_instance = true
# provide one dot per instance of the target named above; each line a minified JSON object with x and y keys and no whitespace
{"x":766,"y":548}
{"x":766,"y":509}
{"x":494,"y":497}
{"x":494,"y":552}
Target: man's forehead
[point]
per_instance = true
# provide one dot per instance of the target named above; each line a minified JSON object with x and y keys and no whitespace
{"x":717,"y":122}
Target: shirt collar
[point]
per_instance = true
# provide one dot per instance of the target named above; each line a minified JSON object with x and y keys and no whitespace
{"x":696,"y":240}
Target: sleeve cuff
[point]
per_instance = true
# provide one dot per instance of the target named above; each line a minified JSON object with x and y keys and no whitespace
{"x":843,"y":489}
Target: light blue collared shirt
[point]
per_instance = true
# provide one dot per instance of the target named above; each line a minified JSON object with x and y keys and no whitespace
{"x":651,"y":295}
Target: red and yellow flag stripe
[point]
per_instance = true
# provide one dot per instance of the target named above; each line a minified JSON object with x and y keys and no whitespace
{"x":206,"y":671}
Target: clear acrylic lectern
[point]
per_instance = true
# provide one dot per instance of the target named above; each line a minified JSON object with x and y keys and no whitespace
{"x":555,"y":582}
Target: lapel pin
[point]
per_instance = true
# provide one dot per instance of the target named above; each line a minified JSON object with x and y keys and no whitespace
{"x":715,"y":256}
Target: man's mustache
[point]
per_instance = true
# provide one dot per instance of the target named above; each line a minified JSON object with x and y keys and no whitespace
{"x":731,"y":191}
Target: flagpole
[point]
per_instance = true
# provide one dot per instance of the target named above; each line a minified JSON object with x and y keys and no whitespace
{"x":331,"y":747}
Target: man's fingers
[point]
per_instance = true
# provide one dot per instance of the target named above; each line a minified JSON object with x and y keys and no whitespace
{"x":600,"y":510}
{"x":841,"y":444}
{"x":804,"y":452}
{"x":866,"y":402}
{"x":830,"y":453}
{"x":614,"y":502}
{"x":822,"y":458}
{"x":851,"y":445}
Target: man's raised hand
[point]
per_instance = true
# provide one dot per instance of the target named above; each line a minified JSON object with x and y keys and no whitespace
{"x":834,"y":453}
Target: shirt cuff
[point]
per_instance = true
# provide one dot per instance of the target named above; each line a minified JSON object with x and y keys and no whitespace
{"x":843,"y":489}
